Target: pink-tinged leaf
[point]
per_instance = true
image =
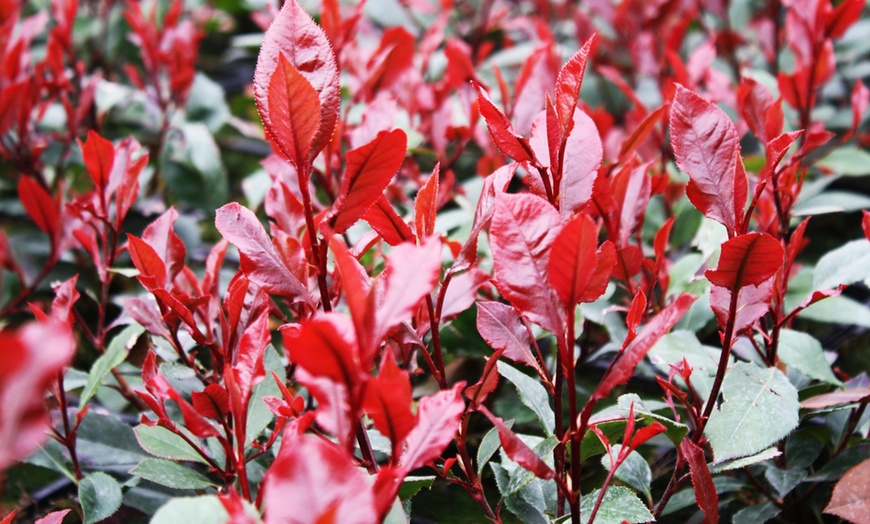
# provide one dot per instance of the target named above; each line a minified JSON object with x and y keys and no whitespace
{"x":147,"y":261}
{"x":33,"y":357}
{"x":501,"y":327}
{"x":640,"y":133}
{"x":55,"y":517}
{"x":655,"y":329}
{"x":437,"y":424}
{"x":746,"y":260}
{"x":259,"y":261}
{"x":248,"y":360}
{"x":99,"y":156}
{"x":39,"y":205}
{"x":753,"y":301}
{"x":167,"y":245}
{"x":411,"y":274}
{"x":605,"y":266}
{"x":426,"y":205}
{"x":145,"y":314}
{"x":494,"y":185}
{"x":296,"y":37}
{"x":65,"y":297}
{"x":295,"y":485}
{"x":356,"y":285}
{"x":775,"y":151}
{"x":755,"y":102}
{"x":506,"y":139}
{"x":518,"y":451}
{"x":522,"y":231}
{"x":851,"y":498}
{"x":388,"y":400}
{"x":569,"y":81}
{"x":636,"y":312}
{"x":325,"y":346}
{"x":294,"y":114}
{"x":826,"y":400}
{"x":478,"y":392}
{"x":384,"y":219}
{"x":860,"y":101}
{"x":842,"y":18}
{"x":582,"y":157}
{"x":124,"y":179}
{"x":702,"y":480}
{"x":369,"y":171}
{"x":333,"y":405}
{"x":706,"y":147}
{"x":462,"y":292}
{"x":573,"y":258}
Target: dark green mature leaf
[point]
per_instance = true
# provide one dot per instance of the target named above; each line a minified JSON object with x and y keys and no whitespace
{"x":845,"y":265}
{"x":185,"y":510}
{"x":100,"y":496}
{"x":758,"y":514}
{"x":758,"y":407}
{"x":634,"y":470}
{"x":163,"y":443}
{"x":618,"y":505}
{"x":113,"y":357}
{"x":803,"y":353}
{"x":171,"y":474}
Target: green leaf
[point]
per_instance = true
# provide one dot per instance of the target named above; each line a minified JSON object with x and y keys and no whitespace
{"x":839,"y":465}
{"x":672,"y":348}
{"x":520,"y":477}
{"x":104,"y":441}
{"x":831,"y":202}
{"x":100,"y":497}
{"x":634,"y":470}
{"x":847,"y":264}
{"x":618,"y":505}
{"x":838,"y":310}
{"x":675,"y":430}
{"x":528,"y":504}
{"x":259,"y":415}
{"x":591,"y":445}
{"x":488,"y":446}
{"x":115,"y":354}
{"x":207,"y":103}
{"x":412,"y":485}
{"x":784,"y":480}
{"x":803,"y":353}
{"x":163,"y":443}
{"x":532,"y":394}
{"x":757,"y":407}
{"x":171,"y":474}
{"x":186,"y":510}
{"x":847,"y":161}
{"x":758,"y":514}
{"x":742,"y":462}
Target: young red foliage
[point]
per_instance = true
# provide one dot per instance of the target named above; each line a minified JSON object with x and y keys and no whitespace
{"x":578,"y":271}
{"x":517,"y":450}
{"x":437,"y":423}
{"x":705,"y":490}
{"x":388,"y":400}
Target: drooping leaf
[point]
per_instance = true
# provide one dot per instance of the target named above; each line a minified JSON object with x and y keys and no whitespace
{"x":746,"y":260}
{"x":753,"y":302}
{"x":295,"y":36}
{"x":294,"y":485}
{"x":501,"y":328}
{"x":384,"y":219}
{"x":369,"y":170}
{"x":100,"y":497}
{"x":522,"y":231}
{"x":702,"y":480}
{"x":518,"y":451}
{"x":706,"y":146}
{"x":437,"y":424}
{"x":259,"y":260}
{"x":462,"y":292}
{"x":851,"y":498}
{"x":758,"y":407}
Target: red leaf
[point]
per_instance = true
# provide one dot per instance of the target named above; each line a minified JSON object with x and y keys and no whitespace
{"x":522,"y":231}
{"x":752,"y":303}
{"x":388,"y":400}
{"x":147,"y":261}
{"x":865,"y":223}
{"x":583,"y":154}
{"x":636,"y":312}
{"x":569,"y":81}
{"x":746,"y":260}
{"x":437,"y":423}
{"x":55,"y":517}
{"x":384,"y":219}
{"x":212,"y":402}
{"x":39,"y":205}
{"x":294,"y":114}
{"x":99,"y":156}
{"x":356,"y":285}
{"x":640,"y":133}
{"x":33,"y":356}
{"x":573,"y":259}
{"x":640,"y":346}
{"x":295,"y":485}
{"x":501,"y":328}
{"x":631,"y":191}
{"x":65,"y":297}
{"x":706,"y":147}
{"x":166,"y":244}
{"x":462,"y":292}
{"x":506,"y":139}
{"x":705,"y":490}
{"x":851,"y":498}
{"x":325,"y":346}
{"x":518,"y":451}
{"x":296,"y":37}
{"x":755,"y":102}
{"x":478,"y":392}
{"x":369,"y":170}
{"x":259,"y":261}
{"x":841,"y":18}
{"x":426,"y":205}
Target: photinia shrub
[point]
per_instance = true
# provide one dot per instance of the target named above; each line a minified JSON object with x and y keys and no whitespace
{"x":586,"y":263}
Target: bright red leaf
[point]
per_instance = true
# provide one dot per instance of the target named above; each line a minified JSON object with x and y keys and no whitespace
{"x":518,"y":451}
{"x":387,"y":401}
{"x":705,"y":490}
{"x":746,"y":260}
{"x":437,"y":423}
{"x":574,"y":260}
{"x":569,"y":81}
{"x":40,"y":206}
{"x":503,"y":134}
{"x":294,"y":113}
{"x":426,"y":205}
